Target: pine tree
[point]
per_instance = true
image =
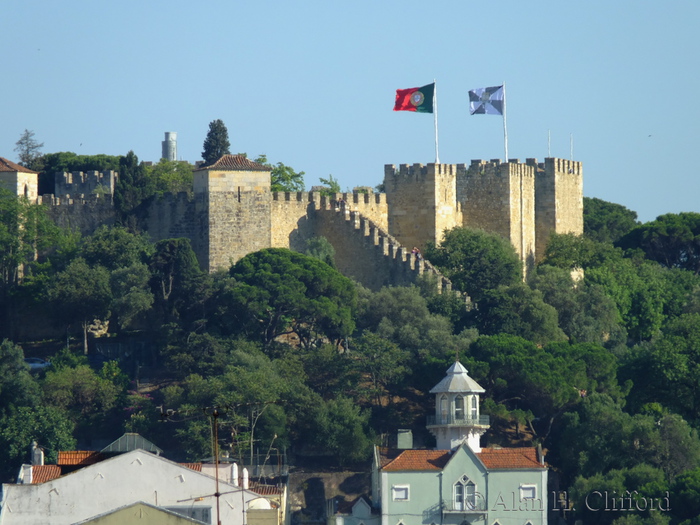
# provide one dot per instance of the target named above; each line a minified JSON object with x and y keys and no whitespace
{"x":216,"y":144}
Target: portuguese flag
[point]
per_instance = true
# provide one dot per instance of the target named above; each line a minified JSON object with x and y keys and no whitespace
{"x":415,"y":99}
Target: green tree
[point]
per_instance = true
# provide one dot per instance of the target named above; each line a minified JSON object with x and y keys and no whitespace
{"x":343,"y":431}
{"x":28,"y":149}
{"x":116,"y":247}
{"x":518,"y":310}
{"x":686,"y":496}
{"x":47,"y":425}
{"x":176,"y":276}
{"x":67,"y":161}
{"x":283,"y":178}
{"x":672,"y":240}
{"x":476,"y":261}
{"x":280,"y":291}
{"x":170,"y":176}
{"x":216,"y":143}
{"x":131,"y":293}
{"x":382,"y":365}
{"x":605,"y":221}
{"x":133,"y":188}
{"x":667,"y":370}
{"x":331,"y":186}
{"x":519,"y":375}
{"x":80,"y":294}
{"x":586,"y":313}
{"x":17,"y":386}
{"x":321,"y":249}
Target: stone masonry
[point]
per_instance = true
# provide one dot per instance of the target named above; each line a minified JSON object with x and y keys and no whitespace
{"x":232,"y":212}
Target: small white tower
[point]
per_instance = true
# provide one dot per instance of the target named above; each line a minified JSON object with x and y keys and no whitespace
{"x":457,"y":416}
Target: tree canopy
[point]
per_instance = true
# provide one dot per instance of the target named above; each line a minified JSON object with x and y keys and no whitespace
{"x":476,"y":261}
{"x":280,"y":291}
{"x":216,"y":143}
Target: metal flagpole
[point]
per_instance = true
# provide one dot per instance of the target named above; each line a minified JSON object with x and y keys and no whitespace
{"x":505,"y":127}
{"x":437,"y":154}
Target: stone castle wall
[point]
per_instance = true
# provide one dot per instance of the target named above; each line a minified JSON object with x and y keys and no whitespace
{"x":81,"y":215}
{"x":233,"y":213}
{"x":78,"y":184}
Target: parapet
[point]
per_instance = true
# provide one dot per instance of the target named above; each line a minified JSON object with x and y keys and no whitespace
{"x":420,"y":170}
{"x":77,"y":183}
{"x":495,"y":167}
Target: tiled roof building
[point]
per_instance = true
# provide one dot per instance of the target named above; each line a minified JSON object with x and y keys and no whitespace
{"x":459,"y":482}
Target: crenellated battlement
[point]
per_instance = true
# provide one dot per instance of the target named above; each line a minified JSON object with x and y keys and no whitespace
{"x":78,"y":183}
{"x":420,"y":171}
{"x":231,"y":212}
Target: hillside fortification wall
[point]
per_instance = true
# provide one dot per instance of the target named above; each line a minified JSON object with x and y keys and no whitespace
{"x":232,"y":212}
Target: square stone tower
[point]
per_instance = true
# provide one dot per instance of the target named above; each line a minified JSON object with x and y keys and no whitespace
{"x":421,"y":202}
{"x":233,"y":211}
{"x":500,"y":198}
{"x":559,"y":199}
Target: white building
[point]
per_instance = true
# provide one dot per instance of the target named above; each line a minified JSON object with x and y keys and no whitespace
{"x":43,"y":498}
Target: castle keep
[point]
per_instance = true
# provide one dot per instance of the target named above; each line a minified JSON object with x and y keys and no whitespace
{"x":232,"y":211}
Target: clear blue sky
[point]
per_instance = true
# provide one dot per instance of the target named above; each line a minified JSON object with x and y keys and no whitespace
{"x":312,"y":84}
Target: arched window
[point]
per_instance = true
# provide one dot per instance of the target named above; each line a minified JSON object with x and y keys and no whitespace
{"x":475,"y":407}
{"x":26,"y":191}
{"x":465,"y":494}
{"x":459,"y":407}
{"x":443,"y":408}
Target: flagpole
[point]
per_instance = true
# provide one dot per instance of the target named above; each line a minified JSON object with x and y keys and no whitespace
{"x":437,"y":155}
{"x":505,"y":126}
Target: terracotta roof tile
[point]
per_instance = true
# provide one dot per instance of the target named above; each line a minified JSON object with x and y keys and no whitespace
{"x":193,"y":466}
{"x":8,"y":165}
{"x":509,"y":458}
{"x":79,"y":457}
{"x":265,"y":490}
{"x":44,"y":473}
{"x":235,"y":162}
{"x":419,"y":460}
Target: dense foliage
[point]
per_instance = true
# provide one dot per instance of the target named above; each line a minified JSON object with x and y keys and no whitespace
{"x":595,"y":357}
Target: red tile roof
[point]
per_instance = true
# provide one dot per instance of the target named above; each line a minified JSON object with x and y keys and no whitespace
{"x":79,"y":457}
{"x":193,"y":466}
{"x":8,"y":165}
{"x":44,"y":473}
{"x":509,"y":458}
{"x":492,"y":458}
{"x":419,"y":460}
{"x":235,"y":162}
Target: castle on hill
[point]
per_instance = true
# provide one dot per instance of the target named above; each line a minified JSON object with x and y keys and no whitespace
{"x":232,"y":211}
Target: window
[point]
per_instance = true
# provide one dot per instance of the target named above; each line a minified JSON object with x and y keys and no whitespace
{"x":443,"y":408}
{"x":399,"y":492}
{"x":459,"y":407}
{"x":475,"y":408}
{"x":528,"y":492}
{"x":464,"y":494}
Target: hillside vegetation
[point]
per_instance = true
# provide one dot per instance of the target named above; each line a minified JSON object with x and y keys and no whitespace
{"x":602,"y":369}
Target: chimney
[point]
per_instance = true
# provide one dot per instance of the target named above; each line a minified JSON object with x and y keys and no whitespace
{"x":404,"y":439}
{"x":234,"y":474}
{"x":245,"y":478}
{"x":37,"y":454}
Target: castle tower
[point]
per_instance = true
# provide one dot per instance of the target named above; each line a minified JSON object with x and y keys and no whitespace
{"x":559,"y":201}
{"x":422,"y":202}
{"x":169,"y":146}
{"x":500,"y":198}
{"x":233,"y":211}
{"x":19,"y":180}
{"x":457,"y":411}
